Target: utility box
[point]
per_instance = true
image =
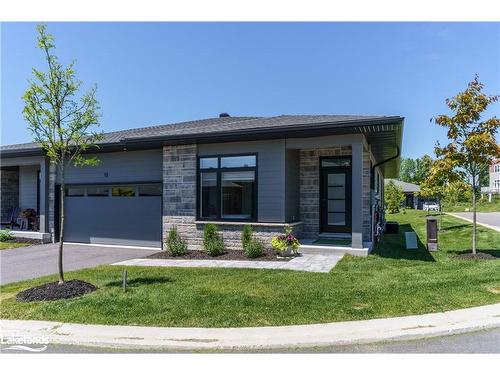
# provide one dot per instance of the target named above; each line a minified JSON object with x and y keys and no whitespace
{"x":432,"y":233}
{"x":392,"y":227}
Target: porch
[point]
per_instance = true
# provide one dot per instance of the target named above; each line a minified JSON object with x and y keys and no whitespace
{"x":24,"y":198}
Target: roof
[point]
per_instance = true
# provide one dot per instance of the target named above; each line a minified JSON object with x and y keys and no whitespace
{"x":405,"y":186}
{"x":383,"y":130}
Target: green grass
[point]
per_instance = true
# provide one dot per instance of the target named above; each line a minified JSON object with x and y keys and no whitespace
{"x":482,"y":205}
{"x":391,"y":282}
{"x":12,"y":245}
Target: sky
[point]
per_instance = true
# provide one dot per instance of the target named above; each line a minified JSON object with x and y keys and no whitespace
{"x":159,"y":73}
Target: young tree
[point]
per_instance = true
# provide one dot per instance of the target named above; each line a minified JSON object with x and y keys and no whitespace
{"x":472,"y":139}
{"x":393,"y":196}
{"x":60,"y":119}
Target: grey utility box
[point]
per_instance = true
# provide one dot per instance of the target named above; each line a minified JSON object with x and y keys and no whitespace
{"x":432,"y":233}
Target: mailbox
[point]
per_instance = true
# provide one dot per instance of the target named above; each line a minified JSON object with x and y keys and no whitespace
{"x":432,"y":233}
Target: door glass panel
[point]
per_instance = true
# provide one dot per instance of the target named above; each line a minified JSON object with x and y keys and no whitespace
{"x":336,"y":218}
{"x":336,"y":192}
{"x":336,"y":179}
{"x":336,"y":162}
{"x":336,"y":205}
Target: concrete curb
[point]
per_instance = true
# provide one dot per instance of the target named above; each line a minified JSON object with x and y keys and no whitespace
{"x":471,"y":221}
{"x":341,"y":333}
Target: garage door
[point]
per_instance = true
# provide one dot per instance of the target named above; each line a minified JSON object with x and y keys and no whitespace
{"x":124,"y":214}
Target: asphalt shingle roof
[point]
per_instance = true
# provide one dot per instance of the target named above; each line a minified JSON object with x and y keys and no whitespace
{"x":220,"y":125}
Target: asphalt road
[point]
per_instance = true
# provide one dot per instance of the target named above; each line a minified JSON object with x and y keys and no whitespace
{"x":491,"y":219}
{"x":30,"y":262}
{"x":475,"y":342}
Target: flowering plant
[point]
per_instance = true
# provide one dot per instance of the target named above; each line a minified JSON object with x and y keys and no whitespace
{"x":285,"y":241}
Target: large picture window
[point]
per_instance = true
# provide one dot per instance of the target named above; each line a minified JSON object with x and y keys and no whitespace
{"x":227,"y":187}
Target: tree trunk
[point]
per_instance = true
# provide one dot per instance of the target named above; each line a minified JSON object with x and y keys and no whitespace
{"x":473,"y":214}
{"x":61,"y":225}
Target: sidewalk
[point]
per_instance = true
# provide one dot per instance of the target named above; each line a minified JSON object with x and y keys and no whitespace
{"x":341,"y":333}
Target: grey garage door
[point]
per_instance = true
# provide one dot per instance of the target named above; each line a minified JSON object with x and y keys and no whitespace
{"x":115,"y":214}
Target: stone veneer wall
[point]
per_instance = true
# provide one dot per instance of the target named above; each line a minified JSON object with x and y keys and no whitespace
{"x":309,"y":189}
{"x":9,"y":191}
{"x":179,"y":203}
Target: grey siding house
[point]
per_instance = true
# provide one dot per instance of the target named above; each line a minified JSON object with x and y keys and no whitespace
{"x":322,"y":175}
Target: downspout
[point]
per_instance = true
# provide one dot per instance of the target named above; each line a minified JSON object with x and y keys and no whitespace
{"x":372,"y":174}
{"x":378,"y":216}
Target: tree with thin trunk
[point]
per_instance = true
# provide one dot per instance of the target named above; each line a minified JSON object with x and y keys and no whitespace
{"x":472,"y":143}
{"x":62,"y":120}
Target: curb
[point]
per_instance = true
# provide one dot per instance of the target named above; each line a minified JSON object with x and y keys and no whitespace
{"x":313,"y":335}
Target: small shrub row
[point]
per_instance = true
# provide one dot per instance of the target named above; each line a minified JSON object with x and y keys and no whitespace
{"x":213,"y":243}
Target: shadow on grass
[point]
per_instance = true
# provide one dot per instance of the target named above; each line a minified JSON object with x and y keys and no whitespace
{"x":393,"y":246}
{"x":457,"y":226}
{"x":138,"y":281}
{"x":492,"y":252}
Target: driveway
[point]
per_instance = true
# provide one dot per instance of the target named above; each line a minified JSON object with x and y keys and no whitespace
{"x":488,"y":219}
{"x":34,"y":261}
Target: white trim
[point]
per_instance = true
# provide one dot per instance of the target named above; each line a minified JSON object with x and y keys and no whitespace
{"x":116,"y":246}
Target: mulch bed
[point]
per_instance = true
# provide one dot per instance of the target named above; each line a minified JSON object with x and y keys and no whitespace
{"x":477,"y":256}
{"x":229,"y":255}
{"x":55,"y":291}
{"x":31,"y":241}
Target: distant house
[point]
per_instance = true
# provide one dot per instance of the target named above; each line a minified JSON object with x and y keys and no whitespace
{"x":412,"y":200}
{"x":494,"y":180}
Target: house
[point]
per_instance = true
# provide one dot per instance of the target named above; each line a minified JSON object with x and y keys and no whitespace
{"x":322,"y":175}
{"x":412,"y":199}
{"x":494,"y":180}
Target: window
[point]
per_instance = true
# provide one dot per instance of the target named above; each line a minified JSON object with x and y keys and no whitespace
{"x":497,"y":184}
{"x":97,"y":191}
{"x":227,"y":187}
{"x":497,"y":168}
{"x":75,"y":192}
{"x":123,"y":191}
{"x":150,"y":190}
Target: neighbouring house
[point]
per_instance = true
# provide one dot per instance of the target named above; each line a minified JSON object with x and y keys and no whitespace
{"x":494,"y":180}
{"x":412,"y":199}
{"x":322,"y":175}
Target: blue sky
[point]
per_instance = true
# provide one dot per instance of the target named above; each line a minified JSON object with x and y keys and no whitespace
{"x":156,"y":73}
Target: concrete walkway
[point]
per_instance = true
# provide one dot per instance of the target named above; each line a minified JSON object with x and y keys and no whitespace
{"x":314,"y":335}
{"x":306,"y":262}
{"x":489,"y":220}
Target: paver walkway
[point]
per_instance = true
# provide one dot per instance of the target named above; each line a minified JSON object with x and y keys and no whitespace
{"x":305,"y":262}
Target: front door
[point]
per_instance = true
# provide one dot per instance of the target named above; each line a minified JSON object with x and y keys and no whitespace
{"x":335,"y":194}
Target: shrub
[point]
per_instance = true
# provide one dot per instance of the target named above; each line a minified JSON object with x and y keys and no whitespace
{"x":254,"y":249}
{"x":246,"y":235}
{"x":5,"y":235}
{"x":175,"y":244}
{"x":394,"y":197}
{"x":213,"y":243}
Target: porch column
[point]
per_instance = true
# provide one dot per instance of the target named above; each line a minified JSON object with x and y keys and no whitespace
{"x":43,"y":197}
{"x":357,"y":195}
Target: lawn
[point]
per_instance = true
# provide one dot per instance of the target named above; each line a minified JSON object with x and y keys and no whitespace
{"x":390,"y":282}
{"x":482,"y":205}
{"x":12,"y":245}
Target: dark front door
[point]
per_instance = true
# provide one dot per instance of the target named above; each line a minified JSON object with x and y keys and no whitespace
{"x":335,"y":194}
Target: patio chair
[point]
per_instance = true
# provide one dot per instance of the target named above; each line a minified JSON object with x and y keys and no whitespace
{"x":12,"y":221}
